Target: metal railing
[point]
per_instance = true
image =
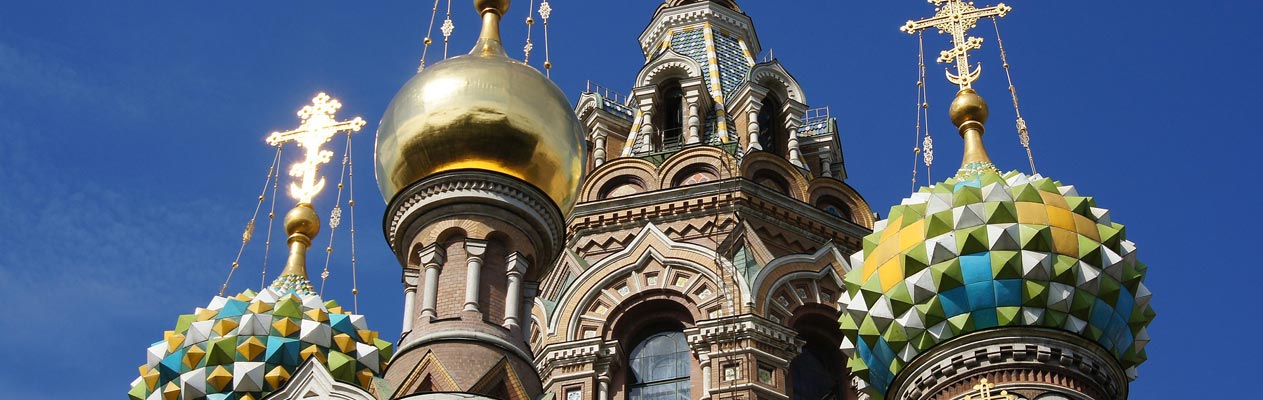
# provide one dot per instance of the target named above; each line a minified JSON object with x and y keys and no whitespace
{"x":607,"y":93}
{"x":816,"y":115}
{"x":672,"y":139}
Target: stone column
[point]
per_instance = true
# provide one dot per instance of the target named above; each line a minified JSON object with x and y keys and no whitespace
{"x":515,"y":266}
{"x":826,"y":166}
{"x":473,"y":272}
{"x":529,"y":291}
{"x":598,"y":144}
{"x":792,"y":122}
{"x":410,"y":281}
{"x":432,"y":259}
{"x":694,"y":123}
{"x":646,"y":131}
{"x":752,"y":125}
{"x":704,"y":359}
{"x":603,"y":386}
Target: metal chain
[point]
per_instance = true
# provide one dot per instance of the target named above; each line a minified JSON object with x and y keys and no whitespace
{"x":248,"y":233}
{"x":546,"y":11}
{"x":335,"y":215}
{"x":355,"y":285}
{"x":1023,"y":134}
{"x":530,"y":25}
{"x":447,"y":28}
{"x":267,"y":244}
{"x":916,"y":138}
{"x":434,"y":12}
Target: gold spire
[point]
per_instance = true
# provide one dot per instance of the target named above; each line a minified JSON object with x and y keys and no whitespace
{"x":489,"y":43}
{"x":302,"y":223}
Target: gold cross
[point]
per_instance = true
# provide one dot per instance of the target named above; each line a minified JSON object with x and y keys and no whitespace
{"x":319,"y":126}
{"x":957,"y":17}
{"x":984,"y":392}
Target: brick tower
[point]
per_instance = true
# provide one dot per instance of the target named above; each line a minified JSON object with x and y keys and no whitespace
{"x":705,"y":256}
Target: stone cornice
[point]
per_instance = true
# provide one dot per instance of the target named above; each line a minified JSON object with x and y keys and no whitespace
{"x":705,"y":199}
{"x":468,"y":188}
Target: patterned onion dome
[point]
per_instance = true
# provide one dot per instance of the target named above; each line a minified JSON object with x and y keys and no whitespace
{"x":982,"y":251}
{"x":248,"y":345}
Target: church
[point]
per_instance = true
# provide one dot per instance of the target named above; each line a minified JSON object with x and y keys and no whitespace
{"x":695,"y":238}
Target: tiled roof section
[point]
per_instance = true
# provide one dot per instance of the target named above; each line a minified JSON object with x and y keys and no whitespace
{"x":817,"y":127}
{"x":691,"y":42}
{"x":733,"y":65}
{"x":616,"y":108}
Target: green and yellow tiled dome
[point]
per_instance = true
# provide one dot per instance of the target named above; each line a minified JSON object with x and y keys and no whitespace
{"x":985,"y":250}
{"x":248,"y":345}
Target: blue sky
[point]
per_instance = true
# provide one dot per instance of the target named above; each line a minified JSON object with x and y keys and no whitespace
{"x":131,"y":149}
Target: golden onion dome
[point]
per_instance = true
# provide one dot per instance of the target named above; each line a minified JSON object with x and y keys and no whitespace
{"x":482,"y":111}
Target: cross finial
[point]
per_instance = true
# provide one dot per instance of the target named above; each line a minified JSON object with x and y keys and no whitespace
{"x":957,"y":17}
{"x":985,"y":389}
{"x":319,"y":126}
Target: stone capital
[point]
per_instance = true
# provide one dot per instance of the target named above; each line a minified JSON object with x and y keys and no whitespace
{"x":433,"y":256}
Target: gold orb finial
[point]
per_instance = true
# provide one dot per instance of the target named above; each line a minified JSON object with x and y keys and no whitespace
{"x":301,"y":224}
{"x":969,"y":112}
{"x":968,"y":106}
{"x":500,"y":7}
{"x":302,"y":219}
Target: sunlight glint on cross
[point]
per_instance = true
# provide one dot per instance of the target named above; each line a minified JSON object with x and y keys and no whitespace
{"x":319,"y":126}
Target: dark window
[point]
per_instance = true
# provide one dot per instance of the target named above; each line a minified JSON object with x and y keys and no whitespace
{"x":770,"y":127}
{"x":672,"y":115}
{"x":819,"y":372}
{"x":813,"y":374}
{"x":659,"y":368}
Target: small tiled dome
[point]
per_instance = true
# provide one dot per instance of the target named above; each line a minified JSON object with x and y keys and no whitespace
{"x":248,"y":345}
{"x":983,"y":251}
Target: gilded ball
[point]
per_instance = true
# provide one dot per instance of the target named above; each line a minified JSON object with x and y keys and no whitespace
{"x":302,"y":219}
{"x":968,"y":106}
{"x":482,"y":111}
{"x":501,"y":6}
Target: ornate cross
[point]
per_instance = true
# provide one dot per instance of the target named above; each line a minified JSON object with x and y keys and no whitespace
{"x":319,"y":126}
{"x":984,"y":392}
{"x":957,"y":17}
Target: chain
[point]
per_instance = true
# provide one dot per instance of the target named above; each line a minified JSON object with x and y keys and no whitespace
{"x":335,"y":215}
{"x":530,"y":24}
{"x":447,"y":28}
{"x":1023,"y":134}
{"x":923,"y":143}
{"x":248,"y":233}
{"x":434,"y":12}
{"x":546,"y":11}
{"x":267,"y":244}
{"x":350,"y":166}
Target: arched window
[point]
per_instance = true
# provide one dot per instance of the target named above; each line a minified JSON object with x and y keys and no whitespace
{"x":817,"y":373}
{"x":771,"y":128}
{"x":835,"y":207}
{"x":672,"y":115}
{"x":659,"y":368}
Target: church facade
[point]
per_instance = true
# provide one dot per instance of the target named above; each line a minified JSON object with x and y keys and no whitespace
{"x":693,"y":239}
